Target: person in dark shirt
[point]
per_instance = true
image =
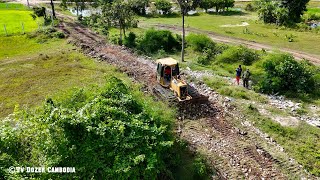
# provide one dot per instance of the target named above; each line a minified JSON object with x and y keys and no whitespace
{"x":245,"y":77}
{"x":238,"y":74}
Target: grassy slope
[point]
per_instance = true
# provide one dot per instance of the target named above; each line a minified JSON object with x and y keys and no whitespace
{"x":276,"y":37}
{"x":14,"y":16}
{"x":34,"y":71}
{"x":301,"y":142}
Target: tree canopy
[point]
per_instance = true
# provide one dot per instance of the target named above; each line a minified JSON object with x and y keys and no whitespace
{"x":284,"y":12}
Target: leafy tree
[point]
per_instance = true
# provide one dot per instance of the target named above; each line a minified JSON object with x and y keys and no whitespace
{"x":266,"y":10}
{"x":206,"y":4}
{"x":283,"y":12}
{"x":120,"y":14}
{"x":218,"y":4}
{"x":228,"y":4}
{"x":281,"y":16}
{"x":163,"y":5}
{"x":285,"y":74}
{"x":295,"y":8}
{"x":271,"y":12}
{"x":139,"y":6}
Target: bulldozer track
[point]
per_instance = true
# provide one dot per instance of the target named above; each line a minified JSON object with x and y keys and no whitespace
{"x":234,"y":154}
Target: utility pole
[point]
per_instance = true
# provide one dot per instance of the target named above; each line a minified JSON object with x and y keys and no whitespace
{"x":28,"y":4}
{"x":185,"y":5}
{"x":52,"y":7}
{"x":183,"y":38}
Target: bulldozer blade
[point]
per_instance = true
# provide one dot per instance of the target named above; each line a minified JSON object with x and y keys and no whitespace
{"x":166,"y":94}
{"x":196,"y":96}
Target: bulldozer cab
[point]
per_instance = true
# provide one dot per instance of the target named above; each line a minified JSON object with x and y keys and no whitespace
{"x":167,"y":70}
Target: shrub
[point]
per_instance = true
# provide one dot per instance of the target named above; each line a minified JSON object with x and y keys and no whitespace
{"x":273,"y":12}
{"x":238,"y":54}
{"x":110,"y":134}
{"x":200,"y":168}
{"x":199,"y":42}
{"x":40,"y":12}
{"x":114,"y":39}
{"x":154,"y":40}
{"x":59,"y":35}
{"x":250,"y":7}
{"x":130,"y":41}
{"x":47,"y":21}
{"x":105,"y":30}
{"x":284,"y":74}
{"x":206,"y":57}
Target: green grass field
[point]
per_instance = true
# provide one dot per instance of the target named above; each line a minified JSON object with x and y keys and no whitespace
{"x":12,"y":6}
{"x":15,"y":19}
{"x":256,"y":30}
{"x":31,"y":71}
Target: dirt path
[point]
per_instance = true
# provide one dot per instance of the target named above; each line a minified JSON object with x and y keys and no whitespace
{"x":208,"y":127}
{"x":315,"y":59}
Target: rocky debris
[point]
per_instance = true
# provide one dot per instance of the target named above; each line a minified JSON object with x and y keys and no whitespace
{"x":314,"y":121}
{"x":282,"y":103}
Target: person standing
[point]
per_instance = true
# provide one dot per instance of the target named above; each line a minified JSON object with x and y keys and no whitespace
{"x":245,"y":78}
{"x":238,"y":74}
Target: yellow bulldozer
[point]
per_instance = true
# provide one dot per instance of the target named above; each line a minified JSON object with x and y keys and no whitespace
{"x":171,"y":85}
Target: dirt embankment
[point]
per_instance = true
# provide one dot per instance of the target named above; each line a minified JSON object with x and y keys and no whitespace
{"x":208,"y":127}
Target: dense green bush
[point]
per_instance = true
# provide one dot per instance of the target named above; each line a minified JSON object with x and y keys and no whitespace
{"x":110,"y":133}
{"x":206,"y":57}
{"x":39,"y":12}
{"x":199,"y":42}
{"x":130,"y":40}
{"x":155,"y":40}
{"x":208,"y":48}
{"x":284,"y":74}
{"x":239,"y":54}
{"x":250,"y":7}
{"x":273,"y":12}
{"x":163,"y":5}
{"x":59,"y":35}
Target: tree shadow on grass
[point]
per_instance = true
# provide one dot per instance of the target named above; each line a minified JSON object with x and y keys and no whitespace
{"x":171,"y":15}
{"x":229,"y":13}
